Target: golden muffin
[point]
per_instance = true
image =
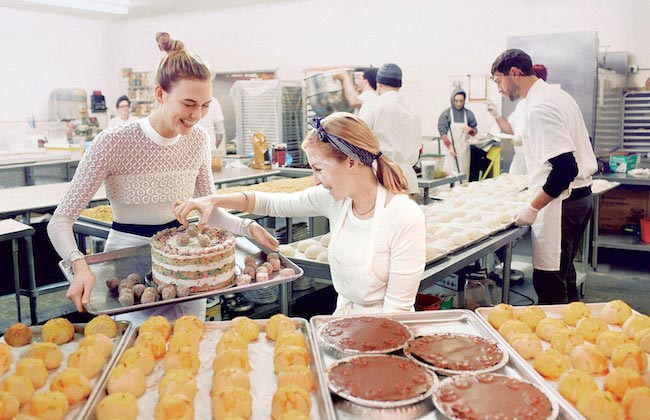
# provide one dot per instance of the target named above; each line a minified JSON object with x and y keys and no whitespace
{"x":99,"y":343}
{"x":288,"y":398}
{"x":565,"y":340}
{"x":636,"y":402}
{"x":293,"y":415}
{"x":157,"y":324}
{"x":290,"y":338}
{"x":126,"y":379}
{"x":154,"y":342}
{"x":590,"y":359}
{"x":590,"y":327}
{"x":228,"y":357}
{"x":57,"y":331}
{"x":182,"y":358}
{"x":271,"y":328}
{"x":246,"y":327}
{"x":513,"y":327}
{"x":87,"y":361}
{"x":531,"y":315}
{"x":548,"y":327}
{"x":630,"y":356}
{"x":621,"y":380}
{"x":573,"y":312}
{"x":102,"y":324}
{"x":49,"y":353}
{"x":230,"y":376}
{"x":576,"y":384}
{"x":551,"y":364}
{"x":636,"y":323}
{"x":600,"y":405}
{"x":73,"y":384}
{"x":232,"y":340}
{"x":297,"y":375}
{"x":642,"y":339}
{"x":231,"y":402}
{"x":120,"y":406}
{"x":9,"y":406}
{"x":50,"y":405}
{"x":19,"y":386}
{"x":139,"y":357}
{"x":615,"y":312}
{"x":34,"y":369}
{"x":5,"y":358}
{"x":527,"y":345}
{"x":607,"y":340}
{"x":178,"y":381}
{"x":18,"y":335}
{"x":191,"y":325}
{"x":182,"y":340}
{"x":500,"y":314}
{"x":290,"y":356}
{"x":174,"y":406}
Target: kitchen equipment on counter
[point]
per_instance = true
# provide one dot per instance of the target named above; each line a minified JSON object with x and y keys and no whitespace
{"x":260,"y":152}
{"x":325,"y":94}
{"x":67,"y":103}
{"x":479,"y":291}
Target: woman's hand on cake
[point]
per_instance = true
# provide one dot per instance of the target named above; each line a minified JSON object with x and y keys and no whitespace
{"x":81,"y":286}
{"x":182,"y":208}
{"x":263,"y":237}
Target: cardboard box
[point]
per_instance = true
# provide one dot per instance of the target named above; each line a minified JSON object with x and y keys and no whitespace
{"x":623,"y":162}
{"x":623,"y":206}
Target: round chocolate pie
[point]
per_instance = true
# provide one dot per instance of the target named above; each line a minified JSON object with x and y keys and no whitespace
{"x":364,"y":334}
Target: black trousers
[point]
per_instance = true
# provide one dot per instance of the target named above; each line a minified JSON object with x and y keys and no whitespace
{"x":556,"y":287}
{"x":478,"y":162}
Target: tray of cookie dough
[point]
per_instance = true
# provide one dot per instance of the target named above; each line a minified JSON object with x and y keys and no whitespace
{"x":55,"y":369}
{"x":243,"y":368}
{"x":578,"y":350}
{"x":131,"y":268}
{"x":454,"y":237}
{"x":420,"y":324}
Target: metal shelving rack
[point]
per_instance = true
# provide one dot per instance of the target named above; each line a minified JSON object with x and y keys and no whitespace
{"x":636,"y":121}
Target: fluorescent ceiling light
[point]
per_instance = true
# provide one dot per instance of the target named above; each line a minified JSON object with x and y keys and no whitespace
{"x":118,"y":7}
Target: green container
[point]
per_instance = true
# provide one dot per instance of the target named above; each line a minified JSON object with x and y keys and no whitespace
{"x":623,"y":162}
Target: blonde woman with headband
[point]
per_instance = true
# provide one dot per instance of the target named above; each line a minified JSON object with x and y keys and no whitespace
{"x":377,"y":247}
{"x":145,"y":166}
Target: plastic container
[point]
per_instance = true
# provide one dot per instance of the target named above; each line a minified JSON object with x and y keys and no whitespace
{"x":429,"y":169}
{"x":645,"y":231}
{"x":425,"y":302}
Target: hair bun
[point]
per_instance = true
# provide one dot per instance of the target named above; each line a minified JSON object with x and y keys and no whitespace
{"x":166,"y":43}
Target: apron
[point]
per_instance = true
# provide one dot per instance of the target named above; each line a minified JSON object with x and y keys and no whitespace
{"x":461,"y":144}
{"x":353,"y":283}
{"x":118,"y":240}
{"x":518,"y":164}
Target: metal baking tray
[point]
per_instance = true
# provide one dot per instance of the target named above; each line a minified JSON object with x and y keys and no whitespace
{"x":87,"y":219}
{"x":263,"y":384}
{"x":426,"y":322}
{"x":123,"y":262}
{"x":124,"y":330}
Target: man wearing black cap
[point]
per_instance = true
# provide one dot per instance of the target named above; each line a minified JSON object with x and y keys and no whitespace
{"x":394,"y":123}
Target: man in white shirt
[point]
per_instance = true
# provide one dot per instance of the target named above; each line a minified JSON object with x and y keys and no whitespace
{"x":123,"y":106}
{"x":395,"y":124}
{"x":366,"y":89}
{"x":560,"y":162}
{"x":213,"y":124}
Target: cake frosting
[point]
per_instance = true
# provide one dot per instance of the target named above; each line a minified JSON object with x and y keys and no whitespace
{"x":365,"y":334}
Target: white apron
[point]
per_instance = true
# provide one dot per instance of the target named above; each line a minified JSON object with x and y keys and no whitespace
{"x":518,"y":165}
{"x":118,"y":240}
{"x":461,"y":144}
{"x":356,"y":281}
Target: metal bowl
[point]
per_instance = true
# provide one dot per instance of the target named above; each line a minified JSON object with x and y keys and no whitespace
{"x":325,"y":94}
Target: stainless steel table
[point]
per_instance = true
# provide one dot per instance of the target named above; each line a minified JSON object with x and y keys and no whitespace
{"x":231,"y":175}
{"x":11,"y":230}
{"x":426,"y":184}
{"x":28,"y":165}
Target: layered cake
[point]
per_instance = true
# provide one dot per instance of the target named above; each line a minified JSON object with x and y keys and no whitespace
{"x":365,"y":334}
{"x":201,"y":259}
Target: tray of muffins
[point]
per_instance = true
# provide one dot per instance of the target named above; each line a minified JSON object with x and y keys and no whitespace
{"x":423,"y":365}
{"x":593,"y":356}
{"x":243,"y":368}
{"x":53,"y":371}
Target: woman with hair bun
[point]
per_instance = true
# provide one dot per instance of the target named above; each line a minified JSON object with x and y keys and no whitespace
{"x":377,"y":246}
{"x":145,"y":166}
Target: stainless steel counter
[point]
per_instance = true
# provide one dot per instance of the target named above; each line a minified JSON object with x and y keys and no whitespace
{"x":623,"y":179}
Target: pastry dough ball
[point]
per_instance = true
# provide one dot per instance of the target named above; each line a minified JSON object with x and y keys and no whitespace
{"x":297,"y":375}
{"x":574,"y":311}
{"x":636,"y":323}
{"x":512,"y":327}
{"x":20,"y":386}
{"x":531,"y":315}
{"x":287,"y":356}
{"x":290,"y":338}
{"x":527,"y":345}
{"x":289,"y":398}
{"x":57,"y":331}
{"x":303,"y":245}
{"x":34,"y":369}
{"x":174,"y":406}
{"x":139,"y":357}
{"x":642,"y":339}
{"x":102,"y":324}
{"x":9,"y":406}
{"x":325,"y":240}
{"x":154,"y":342}
{"x":600,"y":405}
{"x":287,"y":250}
{"x":271,"y":328}
{"x":551,"y":364}
{"x":6,"y":358}
{"x":227,"y":358}
{"x":443,"y":233}
{"x":120,"y":406}
{"x":607,"y":340}
{"x":615,"y":312}
{"x":18,"y":335}
{"x":589,"y":328}
{"x":190,"y":324}
{"x":459,"y":238}
{"x":293,"y":415}
{"x":181,"y":340}
{"x":73,"y":384}
{"x":126,"y":379}
{"x":49,"y":353}
{"x":500,"y":314}
{"x":246,"y":327}
{"x":590,"y":359}
{"x":575,"y":385}
{"x":313,"y":251}
{"x":232,"y":340}
{"x":621,"y":380}
{"x":636,"y":402}
{"x":630,"y":356}
{"x":52,"y":405}
{"x":157,"y":324}
{"x":232,"y":402}
{"x":432,"y":253}
{"x":565,"y":340}
{"x":230,"y":376}
{"x":178,"y":381}
{"x":182,"y":358}
{"x":323,"y":257}
{"x":548,"y":327}
{"x":87,"y":361}
{"x":99,"y":343}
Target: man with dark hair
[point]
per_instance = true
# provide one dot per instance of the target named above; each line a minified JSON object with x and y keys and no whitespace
{"x":366,"y":88}
{"x":123,"y":105}
{"x":560,"y":162}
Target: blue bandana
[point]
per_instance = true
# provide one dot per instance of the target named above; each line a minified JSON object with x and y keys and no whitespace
{"x":350,"y":150}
